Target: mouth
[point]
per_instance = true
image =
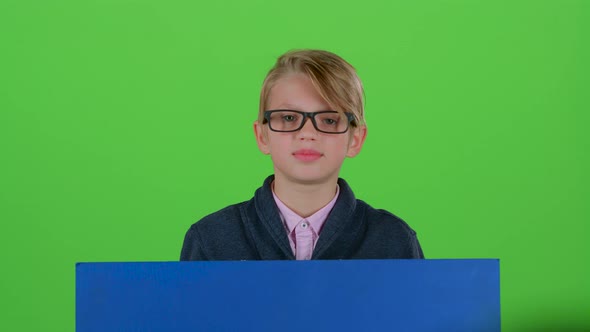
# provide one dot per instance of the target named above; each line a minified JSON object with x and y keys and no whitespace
{"x":307,"y":154}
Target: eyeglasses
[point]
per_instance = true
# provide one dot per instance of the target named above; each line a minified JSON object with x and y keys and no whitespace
{"x":329,"y":122}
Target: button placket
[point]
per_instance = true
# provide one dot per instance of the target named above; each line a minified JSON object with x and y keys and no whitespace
{"x":304,"y":240}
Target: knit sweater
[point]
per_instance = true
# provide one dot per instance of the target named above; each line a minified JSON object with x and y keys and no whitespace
{"x":253,"y":230}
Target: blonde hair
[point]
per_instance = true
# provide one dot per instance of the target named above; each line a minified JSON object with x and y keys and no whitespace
{"x":334,"y":78}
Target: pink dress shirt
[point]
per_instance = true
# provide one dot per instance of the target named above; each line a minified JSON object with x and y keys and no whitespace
{"x":302,"y":232}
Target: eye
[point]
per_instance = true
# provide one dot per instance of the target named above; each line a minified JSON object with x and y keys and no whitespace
{"x":330,"y":121}
{"x":289,"y":118}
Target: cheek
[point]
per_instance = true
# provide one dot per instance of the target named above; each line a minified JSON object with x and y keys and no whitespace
{"x":339,"y":147}
{"x":278,"y":145}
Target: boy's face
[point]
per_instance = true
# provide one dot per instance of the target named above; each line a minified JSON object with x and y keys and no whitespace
{"x":306,"y":156}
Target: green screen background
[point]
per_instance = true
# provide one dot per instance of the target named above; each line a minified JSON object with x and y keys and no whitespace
{"x":123,"y":122}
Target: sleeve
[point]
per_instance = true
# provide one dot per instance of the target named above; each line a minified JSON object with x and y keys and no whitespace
{"x":416,"y":249}
{"x":192,"y":247}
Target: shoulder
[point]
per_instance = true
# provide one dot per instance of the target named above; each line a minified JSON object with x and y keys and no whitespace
{"x":213,"y":236}
{"x":378,"y":219}
{"x":221,"y":221}
{"x":384,"y":219}
{"x":388,"y":234}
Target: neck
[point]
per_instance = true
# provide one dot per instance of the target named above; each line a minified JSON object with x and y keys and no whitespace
{"x":305,"y":199}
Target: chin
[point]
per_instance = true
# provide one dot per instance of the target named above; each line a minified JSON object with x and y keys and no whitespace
{"x":315,"y":174}
{"x":311,"y":178}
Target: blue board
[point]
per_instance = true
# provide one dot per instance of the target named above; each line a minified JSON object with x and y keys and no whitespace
{"x":347,"y":295}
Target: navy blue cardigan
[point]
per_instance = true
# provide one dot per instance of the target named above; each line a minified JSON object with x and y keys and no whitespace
{"x":253,"y":230}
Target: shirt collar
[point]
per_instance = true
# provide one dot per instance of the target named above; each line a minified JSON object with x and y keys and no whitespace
{"x":291,"y":219}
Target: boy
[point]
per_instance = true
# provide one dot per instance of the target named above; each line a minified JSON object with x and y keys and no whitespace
{"x":311,"y":117}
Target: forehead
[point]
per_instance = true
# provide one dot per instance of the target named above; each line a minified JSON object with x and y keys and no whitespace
{"x":296,"y":92}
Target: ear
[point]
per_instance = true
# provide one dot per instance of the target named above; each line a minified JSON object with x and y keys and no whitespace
{"x":356,"y":141}
{"x":261,"y":137}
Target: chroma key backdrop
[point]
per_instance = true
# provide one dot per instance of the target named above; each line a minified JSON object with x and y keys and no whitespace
{"x":122,"y":122}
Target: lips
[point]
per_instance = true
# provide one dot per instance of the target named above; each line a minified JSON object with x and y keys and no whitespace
{"x":307,"y":154}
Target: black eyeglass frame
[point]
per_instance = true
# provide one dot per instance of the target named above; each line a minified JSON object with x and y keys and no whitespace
{"x":351,"y":121}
